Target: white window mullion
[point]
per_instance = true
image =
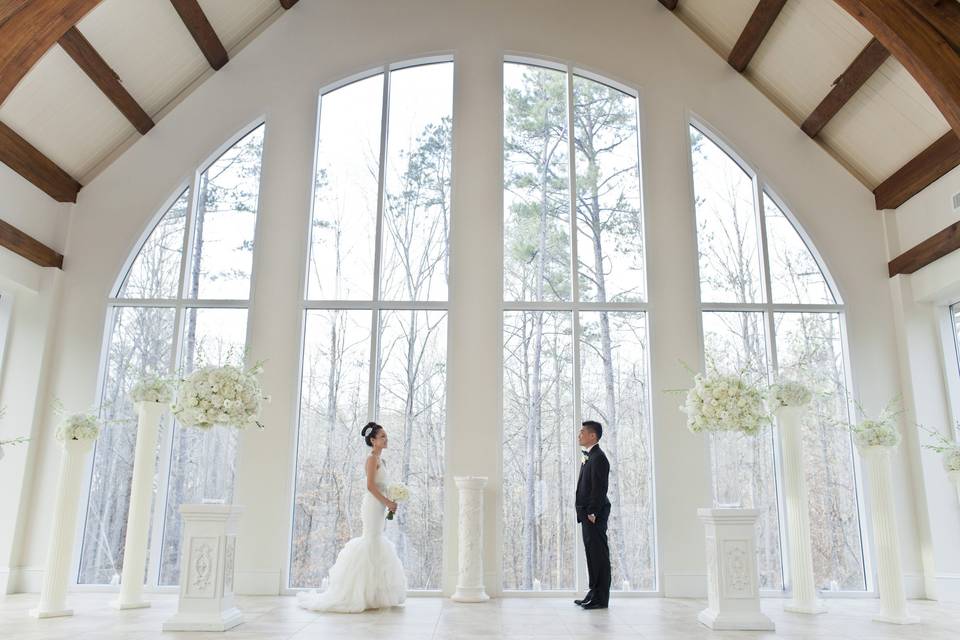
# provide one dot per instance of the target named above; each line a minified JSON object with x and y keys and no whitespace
{"x":378,"y":252}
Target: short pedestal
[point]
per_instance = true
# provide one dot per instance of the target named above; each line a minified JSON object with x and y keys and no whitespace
{"x":470,"y":586}
{"x":732,"y":579}
{"x":207,"y":558}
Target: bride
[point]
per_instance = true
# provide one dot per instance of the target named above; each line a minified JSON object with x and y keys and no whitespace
{"x":367,"y":573}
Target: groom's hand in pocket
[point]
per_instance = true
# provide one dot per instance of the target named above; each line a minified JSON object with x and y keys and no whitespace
{"x":592,"y":518}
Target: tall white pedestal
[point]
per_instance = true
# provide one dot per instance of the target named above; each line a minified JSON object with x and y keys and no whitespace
{"x":955,"y":479}
{"x":138,"y":515}
{"x":893,"y":599}
{"x":470,"y":559}
{"x":56,"y":576}
{"x":733,"y":593}
{"x":207,"y":559}
{"x":804,"y":592}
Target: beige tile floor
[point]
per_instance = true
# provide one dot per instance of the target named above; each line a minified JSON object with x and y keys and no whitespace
{"x":278,"y":618}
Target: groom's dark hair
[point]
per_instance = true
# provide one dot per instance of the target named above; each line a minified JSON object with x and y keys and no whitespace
{"x":594,"y":426}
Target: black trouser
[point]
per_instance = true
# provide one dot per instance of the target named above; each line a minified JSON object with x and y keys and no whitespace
{"x":598,"y":557}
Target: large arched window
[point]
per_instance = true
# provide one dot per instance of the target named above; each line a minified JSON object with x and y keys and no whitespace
{"x":575,"y":325}
{"x":769,"y":309}
{"x":182,"y":302}
{"x":374,"y":345}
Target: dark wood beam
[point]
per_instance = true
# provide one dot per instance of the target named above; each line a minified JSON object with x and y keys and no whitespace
{"x":286,"y":4}
{"x":202,"y":31}
{"x":669,"y":4}
{"x":918,"y":46}
{"x":20,"y":243}
{"x":22,"y":157}
{"x":29,"y":31}
{"x":753,"y":34}
{"x":931,"y":164}
{"x":931,"y":249}
{"x":83,"y":53}
{"x":943,"y":15}
{"x":859,"y":71}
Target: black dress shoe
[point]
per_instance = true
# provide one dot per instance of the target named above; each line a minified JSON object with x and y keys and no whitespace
{"x":594,"y":605}
{"x":583,"y":602}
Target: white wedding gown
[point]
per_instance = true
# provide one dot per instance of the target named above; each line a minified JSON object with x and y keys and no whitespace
{"x":368,"y":573}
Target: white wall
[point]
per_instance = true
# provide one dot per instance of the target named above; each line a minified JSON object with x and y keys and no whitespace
{"x":638,"y":44}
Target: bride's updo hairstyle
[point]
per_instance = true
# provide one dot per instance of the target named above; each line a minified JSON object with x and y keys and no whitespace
{"x":369,"y":432}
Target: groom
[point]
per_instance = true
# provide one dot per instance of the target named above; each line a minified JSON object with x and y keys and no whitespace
{"x":593,"y":510}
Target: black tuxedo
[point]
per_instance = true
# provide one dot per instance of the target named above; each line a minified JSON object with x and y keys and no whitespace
{"x":592,"y":500}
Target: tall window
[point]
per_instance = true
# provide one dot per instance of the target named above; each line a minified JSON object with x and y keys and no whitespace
{"x":182,"y":303}
{"x":575,"y":325}
{"x":376,"y":316}
{"x":769,"y":310}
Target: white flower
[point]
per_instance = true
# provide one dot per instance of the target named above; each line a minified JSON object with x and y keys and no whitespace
{"x":398,"y":492}
{"x":951,"y":458}
{"x":225,"y":395}
{"x":724,"y":403}
{"x":788,"y":394}
{"x":876,"y":433}
{"x":152,"y":389}
{"x":78,"y":426}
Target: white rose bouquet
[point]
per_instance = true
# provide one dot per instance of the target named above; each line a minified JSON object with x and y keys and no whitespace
{"x":398,"y":493}
{"x":881,"y":432}
{"x":787,"y":393}
{"x":720,"y":402}
{"x":226,"y":395}
{"x":79,"y":426}
{"x":152,"y":389}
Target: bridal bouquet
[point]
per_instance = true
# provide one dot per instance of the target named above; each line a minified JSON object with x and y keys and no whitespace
{"x":398,"y":493}
{"x":226,"y":395}
{"x":79,"y":426}
{"x":787,"y":393}
{"x":720,"y":402}
{"x":152,"y":389}
{"x":881,"y":432}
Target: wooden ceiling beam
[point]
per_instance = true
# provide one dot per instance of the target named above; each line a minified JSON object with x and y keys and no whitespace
{"x":754,"y":32}
{"x":931,"y":249}
{"x":944,"y":15}
{"x":931,"y":164}
{"x":33,"y":250}
{"x":87,"y":58}
{"x":859,"y":71}
{"x":286,"y":4}
{"x":29,"y":31}
{"x":669,"y":4}
{"x":202,"y":31}
{"x":10,"y":7}
{"x":22,"y":157}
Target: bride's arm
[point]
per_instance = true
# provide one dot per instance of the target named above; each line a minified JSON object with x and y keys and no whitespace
{"x":371,"y":468}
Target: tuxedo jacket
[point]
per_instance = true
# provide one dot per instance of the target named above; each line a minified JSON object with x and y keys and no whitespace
{"x":592,"y":486}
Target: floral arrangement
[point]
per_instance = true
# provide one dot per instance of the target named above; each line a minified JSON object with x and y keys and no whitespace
{"x":79,"y":426}
{"x":787,"y":393}
{"x":398,"y":493}
{"x":724,"y":403}
{"x":881,"y":432}
{"x":949,"y":449}
{"x":153,"y":389}
{"x":227,"y":395}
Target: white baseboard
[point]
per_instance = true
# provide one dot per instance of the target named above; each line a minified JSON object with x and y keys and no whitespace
{"x":257,"y":583}
{"x":684,"y":585}
{"x":20,"y":579}
{"x":948,"y":587}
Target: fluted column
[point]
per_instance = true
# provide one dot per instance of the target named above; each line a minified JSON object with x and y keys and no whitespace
{"x":470,"y":586}
{"x":56,"y":576}
{"x":893,"y":599}
{"x":138,"y":515}
{"x":955,"y":479}
{"x":804,"y":592}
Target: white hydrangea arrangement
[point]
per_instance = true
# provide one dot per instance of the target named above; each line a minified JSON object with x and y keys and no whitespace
{"x":949,"y":449}
{"x":79,"y":426}
{"x":787,"y":393}
{"x":226,"y":395}
{"x":153,"y":389}
{"x":398,"y":492}
{"x":881,"y":432}
{"x":720,"y":402}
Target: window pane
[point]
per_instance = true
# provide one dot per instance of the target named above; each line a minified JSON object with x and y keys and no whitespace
{"x":810,"y":349}
{"x":412,"y":408}
{"x":155,"y":273}
{"x":330,"y":453}
{"x":609,"y":221}
{"x":416,"y":216}
{"x":222,"y":252}
{"x":540,"y":457}
{"x":141,"y":340}
{"x":344,"y":224}
{"x":614,"y":390}
{"x":743,"y":467}
{"x":210,"y":337}
{"x":795,"y":276}
{"x":536,"y":198}
{"x":726,"y":225}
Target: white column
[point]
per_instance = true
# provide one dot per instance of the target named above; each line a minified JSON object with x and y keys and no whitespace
{"x":208,"y":553}
{"x":955,"y":479}
{"x":56,"y":576}
{"x":804,"y":589}
{"x":893,"y":599}
{"x":138,"y":515}
{"x":733,"y":583}
{"x":470,"y":575}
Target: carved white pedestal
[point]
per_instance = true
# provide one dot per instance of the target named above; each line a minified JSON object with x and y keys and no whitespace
{"x":955,"y":479}
{"x":207,"y":558}
{"x":893,"y":599}
{"x":804,"y":592}
{"x":138,"y":515}
{"x":56,"y":576}
{"x":733,"y":594}
{"x":470,"y":575}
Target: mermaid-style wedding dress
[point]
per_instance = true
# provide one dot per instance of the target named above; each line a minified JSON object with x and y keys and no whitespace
{"x":367,"y":574}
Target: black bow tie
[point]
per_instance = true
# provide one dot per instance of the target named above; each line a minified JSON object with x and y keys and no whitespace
{"x":584,"y":452}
